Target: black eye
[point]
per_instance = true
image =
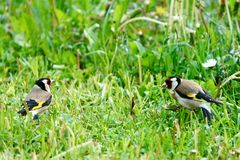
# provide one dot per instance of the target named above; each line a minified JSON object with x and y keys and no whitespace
{"x":168,"y":81}
{"x":48,"y":82}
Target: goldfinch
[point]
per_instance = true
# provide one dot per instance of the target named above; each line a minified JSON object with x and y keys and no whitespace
{"x":38,"y":99}
{"x":190,"y":95}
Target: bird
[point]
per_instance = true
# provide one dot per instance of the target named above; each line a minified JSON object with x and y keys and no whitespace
{"x":38,"y":99}
{"x":190,"y":95}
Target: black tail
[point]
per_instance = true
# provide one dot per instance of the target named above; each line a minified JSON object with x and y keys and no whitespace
{"x":207,"y":98}
{"x":23,"y":112}
{"x":207,"y":115}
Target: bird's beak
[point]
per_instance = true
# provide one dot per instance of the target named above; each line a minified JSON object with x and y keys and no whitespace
{"x":164,"y":85}
{"x":52,"y":81}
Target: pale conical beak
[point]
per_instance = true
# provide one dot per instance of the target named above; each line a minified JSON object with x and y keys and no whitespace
{"x":52,"y":81}
{"x":164,"y":85}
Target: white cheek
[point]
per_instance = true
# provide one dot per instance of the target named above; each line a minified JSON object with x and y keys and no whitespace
{"x":174,"y":85}
{"x":47,"y":87}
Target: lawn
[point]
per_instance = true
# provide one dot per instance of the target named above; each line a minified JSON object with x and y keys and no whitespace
{"x":108,"y":60}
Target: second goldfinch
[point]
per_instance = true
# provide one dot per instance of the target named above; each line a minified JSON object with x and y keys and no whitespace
{"x":190,"y":95}
{"x":38,"y":99}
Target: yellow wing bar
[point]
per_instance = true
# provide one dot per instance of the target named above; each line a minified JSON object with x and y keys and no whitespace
{"x":38,"y":106}
{"x":193,"y":96}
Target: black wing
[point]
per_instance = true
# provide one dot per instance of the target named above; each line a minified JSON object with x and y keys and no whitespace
{"x":31,"y":104}
{"x":48,"y":101}
{"x":207,"y":97}
{"x":183,"y":95}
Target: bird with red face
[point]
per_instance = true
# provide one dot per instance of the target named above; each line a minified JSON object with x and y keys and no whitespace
{"x":190,"y":95}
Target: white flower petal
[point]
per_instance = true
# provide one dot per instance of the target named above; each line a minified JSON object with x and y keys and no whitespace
{"x":209,"y":63}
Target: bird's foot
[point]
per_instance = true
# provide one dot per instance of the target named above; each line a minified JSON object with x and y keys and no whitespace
{"x":36,"y":119}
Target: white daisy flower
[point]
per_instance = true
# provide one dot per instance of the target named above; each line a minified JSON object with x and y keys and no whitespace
{"x":209,"y":63}
{"x":177,"y":18}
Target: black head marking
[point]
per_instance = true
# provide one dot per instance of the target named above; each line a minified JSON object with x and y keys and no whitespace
{"x":40,"y":83}
{"x":178,"y":80}
{"x":168,"y":81}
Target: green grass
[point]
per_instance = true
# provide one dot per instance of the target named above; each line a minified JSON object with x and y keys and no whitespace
{"x":101,"y":55}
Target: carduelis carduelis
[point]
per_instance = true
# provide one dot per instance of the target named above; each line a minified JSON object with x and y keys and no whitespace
{"x":38,"y":99}
{"x":190,"y":95}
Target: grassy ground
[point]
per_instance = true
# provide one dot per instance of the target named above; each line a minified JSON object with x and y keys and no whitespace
{"x":105,"y":55}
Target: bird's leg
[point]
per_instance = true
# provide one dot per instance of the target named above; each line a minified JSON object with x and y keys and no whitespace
{"x":207,"y":115}
{"x":36,"y":117}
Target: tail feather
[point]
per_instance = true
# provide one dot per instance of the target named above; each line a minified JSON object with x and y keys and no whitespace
{"x":204,"y":95}
{"x":23,"y":112}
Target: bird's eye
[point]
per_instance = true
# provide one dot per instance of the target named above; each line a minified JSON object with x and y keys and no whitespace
{"x":48,"y":82}
{"x":168,"y":80}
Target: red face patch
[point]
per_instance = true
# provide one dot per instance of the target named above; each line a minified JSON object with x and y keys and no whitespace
{"x":168,"y":82}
